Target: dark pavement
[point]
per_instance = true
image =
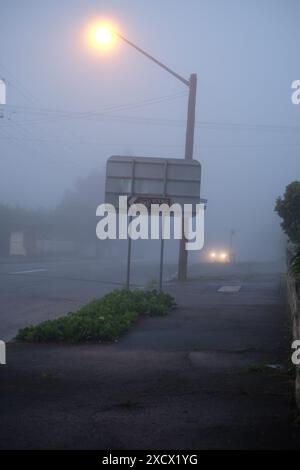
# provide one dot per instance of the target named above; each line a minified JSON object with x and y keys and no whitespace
{"x":199,"y":378}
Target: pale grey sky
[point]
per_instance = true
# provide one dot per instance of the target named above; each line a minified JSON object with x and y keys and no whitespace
{"x":246,"y":56}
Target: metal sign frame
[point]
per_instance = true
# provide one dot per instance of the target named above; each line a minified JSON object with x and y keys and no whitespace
{"x":172,"y":178}
{"x":174,"y":181}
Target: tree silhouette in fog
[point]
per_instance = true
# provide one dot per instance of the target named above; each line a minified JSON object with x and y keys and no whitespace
{"x":288,"y":208}
{"x":75,"y":217}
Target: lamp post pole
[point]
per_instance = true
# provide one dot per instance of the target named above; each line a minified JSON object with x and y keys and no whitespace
{"x":188,"y":155}
{"x":189,"y":140}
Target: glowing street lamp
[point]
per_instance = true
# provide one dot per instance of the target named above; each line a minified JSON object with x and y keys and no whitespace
{"x":102,"y":36}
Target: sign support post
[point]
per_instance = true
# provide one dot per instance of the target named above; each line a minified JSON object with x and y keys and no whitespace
{"x":128,"y":259}
{"x":161,"y":264}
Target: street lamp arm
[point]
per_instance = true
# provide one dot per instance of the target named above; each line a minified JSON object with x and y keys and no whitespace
{"x":182,"y":79}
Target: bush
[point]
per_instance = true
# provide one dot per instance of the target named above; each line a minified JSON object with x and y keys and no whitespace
{"x":105,"y":319}
{"x":295,"y":265}
{"x":288,"y":208}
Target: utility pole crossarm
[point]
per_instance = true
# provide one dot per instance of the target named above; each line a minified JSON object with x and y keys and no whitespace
{"x":179,"y":77}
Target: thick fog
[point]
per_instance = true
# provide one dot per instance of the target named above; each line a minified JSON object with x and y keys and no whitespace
{"x":69,"y":107}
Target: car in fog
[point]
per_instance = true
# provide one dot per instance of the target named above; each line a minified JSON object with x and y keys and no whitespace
{"x":219,"y":256}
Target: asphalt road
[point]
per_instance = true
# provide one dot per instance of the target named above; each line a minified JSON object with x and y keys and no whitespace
{"x":213,"y":374}
{"x":31,"y":292}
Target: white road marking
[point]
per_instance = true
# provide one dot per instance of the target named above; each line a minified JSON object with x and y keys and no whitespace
{"x":228,"y":289}
{"x":30,"y":271}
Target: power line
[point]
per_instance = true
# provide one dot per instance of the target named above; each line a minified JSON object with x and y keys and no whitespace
{"x":145,"y":144}
{"x":17,"y":85}
{"x":48,"y":112}
{"x":29,"y":97}
{"x":45,"y":114}
{"x":214,"y":125}
{"x":95,"y":114}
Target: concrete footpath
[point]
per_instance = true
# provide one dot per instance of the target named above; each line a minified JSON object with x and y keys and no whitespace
{"x":213,"y":374}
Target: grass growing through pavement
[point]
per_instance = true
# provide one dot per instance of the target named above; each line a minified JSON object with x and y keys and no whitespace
{"x":105,"y":319}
